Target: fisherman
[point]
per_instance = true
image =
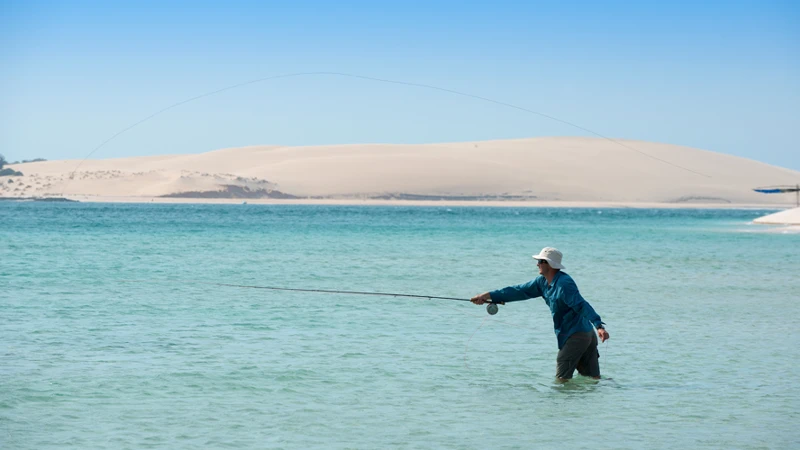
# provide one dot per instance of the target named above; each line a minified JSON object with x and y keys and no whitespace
{"x":573,"y":317}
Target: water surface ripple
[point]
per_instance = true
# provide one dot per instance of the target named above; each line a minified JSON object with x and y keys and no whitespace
{"x":701,"y":305}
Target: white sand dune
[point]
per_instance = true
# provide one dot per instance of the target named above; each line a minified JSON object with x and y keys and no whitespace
{"x":788,"y":217}
{"x":556,"y":169}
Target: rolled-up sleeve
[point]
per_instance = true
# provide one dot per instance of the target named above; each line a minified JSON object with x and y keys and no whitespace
{"x":572,"y":298}
{"x":523,"y":291}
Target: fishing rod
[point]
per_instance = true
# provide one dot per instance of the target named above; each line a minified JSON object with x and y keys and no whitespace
{"x":491,"y":307}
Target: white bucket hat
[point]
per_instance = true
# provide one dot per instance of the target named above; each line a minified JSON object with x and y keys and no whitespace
{"x":552,"y":256}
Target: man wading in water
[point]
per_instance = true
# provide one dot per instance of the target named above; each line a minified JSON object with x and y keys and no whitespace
{"x":573,"y":317}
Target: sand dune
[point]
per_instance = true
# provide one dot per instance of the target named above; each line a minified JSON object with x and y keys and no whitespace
{"x":788,"y":217}
{"x":567,"y":169}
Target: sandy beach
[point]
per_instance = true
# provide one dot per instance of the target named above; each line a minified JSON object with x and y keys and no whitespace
{"x":787,"y":217}
{"x":554,"y":171}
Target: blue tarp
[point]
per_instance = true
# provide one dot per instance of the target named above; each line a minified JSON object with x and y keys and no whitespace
{"x":777,"y":189}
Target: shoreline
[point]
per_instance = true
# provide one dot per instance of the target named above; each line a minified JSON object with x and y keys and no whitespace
{"x":507,"y":173}
{"x":426,"y":203}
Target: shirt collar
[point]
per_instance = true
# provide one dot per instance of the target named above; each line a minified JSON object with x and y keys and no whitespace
{"x":555,"y":278}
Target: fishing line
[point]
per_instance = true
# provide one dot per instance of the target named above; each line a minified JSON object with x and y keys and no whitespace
{"x":466,"y":346}
{"x":380,"y":80}
{"x":483,"y":322}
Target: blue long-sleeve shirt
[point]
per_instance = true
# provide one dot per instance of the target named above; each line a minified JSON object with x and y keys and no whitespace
{"x":571,"y":313}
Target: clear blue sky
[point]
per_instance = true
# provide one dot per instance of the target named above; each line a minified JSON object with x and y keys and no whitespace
{"x":721,"y":76}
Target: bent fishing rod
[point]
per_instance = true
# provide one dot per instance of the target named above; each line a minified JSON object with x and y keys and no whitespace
{"x":491,"y":307}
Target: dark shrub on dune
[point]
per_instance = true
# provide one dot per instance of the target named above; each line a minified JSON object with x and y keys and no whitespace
{"x":10,"y":173}
{"x":7,"y":172}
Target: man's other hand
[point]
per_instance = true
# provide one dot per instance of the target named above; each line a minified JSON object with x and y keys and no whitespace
{"x":603,"y":334}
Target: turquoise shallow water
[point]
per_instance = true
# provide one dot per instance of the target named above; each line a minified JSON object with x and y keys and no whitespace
{"x":701,"y":305}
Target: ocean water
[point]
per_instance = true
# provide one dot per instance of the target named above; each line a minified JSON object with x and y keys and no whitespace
{"x":702,"y":308}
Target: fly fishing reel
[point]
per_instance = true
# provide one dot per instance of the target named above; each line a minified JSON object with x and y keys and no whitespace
{"x":491,"y":308}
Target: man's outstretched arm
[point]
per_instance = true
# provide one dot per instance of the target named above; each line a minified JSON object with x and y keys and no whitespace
{"x":510,"y":294}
